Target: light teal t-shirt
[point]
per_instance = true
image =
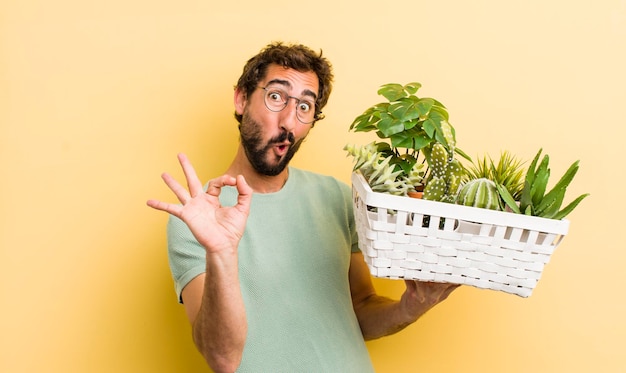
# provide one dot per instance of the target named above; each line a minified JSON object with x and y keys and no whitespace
{"x":293,"y":266}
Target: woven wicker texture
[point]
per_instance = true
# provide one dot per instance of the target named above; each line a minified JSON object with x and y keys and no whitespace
{"x":406,"y":238}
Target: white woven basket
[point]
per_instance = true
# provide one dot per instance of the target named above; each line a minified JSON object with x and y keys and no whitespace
{"x":408,"y":238}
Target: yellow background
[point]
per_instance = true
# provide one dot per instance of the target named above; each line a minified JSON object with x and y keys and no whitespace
{"x":97,"y":97}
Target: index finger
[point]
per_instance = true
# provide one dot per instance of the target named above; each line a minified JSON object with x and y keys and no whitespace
{"x":214,"y":186}
{"x":193,"y":183}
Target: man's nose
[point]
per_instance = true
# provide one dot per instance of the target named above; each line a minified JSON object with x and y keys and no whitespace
{"x":289,"y":117}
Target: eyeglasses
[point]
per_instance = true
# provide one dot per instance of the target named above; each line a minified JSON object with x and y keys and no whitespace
{"x":277,"y":99}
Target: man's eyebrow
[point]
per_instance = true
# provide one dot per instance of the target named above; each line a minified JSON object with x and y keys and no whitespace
{"x":287,"y":84}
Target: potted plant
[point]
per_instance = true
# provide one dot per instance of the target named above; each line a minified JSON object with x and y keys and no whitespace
{"x":418,"y":146}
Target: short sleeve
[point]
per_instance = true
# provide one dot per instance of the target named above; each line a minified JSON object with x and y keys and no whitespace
{"x":187,"y":258}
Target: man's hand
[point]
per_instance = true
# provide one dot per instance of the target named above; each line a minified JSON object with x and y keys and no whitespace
{"x":421,"y":296}
{"x":216,"y":227}
{"x":379,"y":316}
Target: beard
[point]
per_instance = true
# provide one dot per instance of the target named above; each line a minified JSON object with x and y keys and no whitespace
{"x":259,"y":154}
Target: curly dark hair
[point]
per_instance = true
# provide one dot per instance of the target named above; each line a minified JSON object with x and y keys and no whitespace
{"x":293,"y":56}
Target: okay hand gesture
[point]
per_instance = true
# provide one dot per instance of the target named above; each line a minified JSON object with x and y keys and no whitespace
{"x":216,"y":227}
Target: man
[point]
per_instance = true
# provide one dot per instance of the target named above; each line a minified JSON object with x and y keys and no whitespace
{"x":265,"y":258}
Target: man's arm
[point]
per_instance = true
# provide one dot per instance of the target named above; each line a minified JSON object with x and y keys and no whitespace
{"x":215,"y":308}
{"x":380,"y":316}
{"x":213,"y":301}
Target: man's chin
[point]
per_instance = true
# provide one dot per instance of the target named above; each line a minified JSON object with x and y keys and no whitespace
{"x":271,"y":169}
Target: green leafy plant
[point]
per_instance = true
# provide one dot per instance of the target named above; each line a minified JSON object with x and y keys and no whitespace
{"x":535,"y":200}
{"x":406,"y":120}
{"x":409,"y":125}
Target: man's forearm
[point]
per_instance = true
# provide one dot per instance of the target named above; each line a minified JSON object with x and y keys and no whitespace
{"x":219,"y":331}
{"x":380,"y":316}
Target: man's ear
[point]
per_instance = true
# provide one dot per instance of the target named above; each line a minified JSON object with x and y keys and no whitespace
{"x":240,"y":100}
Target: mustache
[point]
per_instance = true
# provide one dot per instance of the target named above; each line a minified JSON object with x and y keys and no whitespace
{"x":284,"y":136}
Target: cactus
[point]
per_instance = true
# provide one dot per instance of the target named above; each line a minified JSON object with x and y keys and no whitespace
{"x":481,"y":193}
{"x":445,"y":174}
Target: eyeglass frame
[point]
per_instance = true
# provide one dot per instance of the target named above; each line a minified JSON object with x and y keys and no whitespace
{"x":317,"y":115}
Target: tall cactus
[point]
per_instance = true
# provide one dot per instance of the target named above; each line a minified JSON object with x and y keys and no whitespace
{"x":445,"y":174}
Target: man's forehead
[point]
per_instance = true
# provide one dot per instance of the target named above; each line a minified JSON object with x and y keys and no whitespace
{"x":292,"y":79}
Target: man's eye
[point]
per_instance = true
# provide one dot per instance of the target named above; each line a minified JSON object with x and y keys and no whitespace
{"x":304,"y":106}
{"x":275,"y":96}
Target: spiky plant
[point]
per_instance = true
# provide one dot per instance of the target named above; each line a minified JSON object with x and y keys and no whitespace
{"x":508,"y":171}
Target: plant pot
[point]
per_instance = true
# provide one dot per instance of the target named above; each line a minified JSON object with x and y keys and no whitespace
{"x":419,"y":195}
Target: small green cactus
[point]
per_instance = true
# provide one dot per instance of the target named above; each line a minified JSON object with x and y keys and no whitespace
{"x":481,"y":193}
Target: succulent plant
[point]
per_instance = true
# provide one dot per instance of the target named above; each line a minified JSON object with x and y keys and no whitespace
{"x":535,"y":200}
{"x":381,"y":175}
